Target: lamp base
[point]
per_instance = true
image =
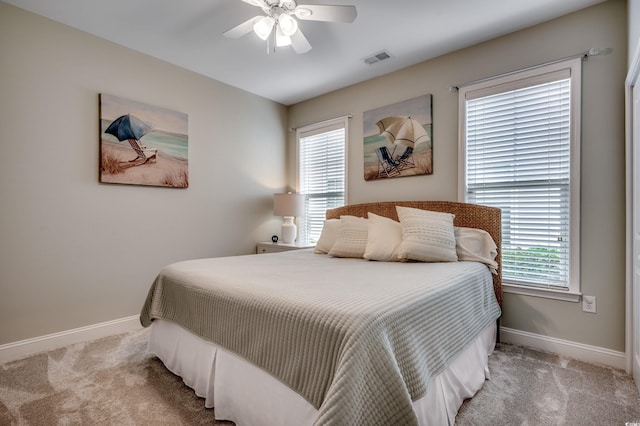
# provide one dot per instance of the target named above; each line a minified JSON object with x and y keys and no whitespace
{"x":289,"y":230}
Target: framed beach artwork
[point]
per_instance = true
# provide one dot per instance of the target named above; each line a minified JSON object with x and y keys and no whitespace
{"x":142,"y":144}
{"x":398,"y":139}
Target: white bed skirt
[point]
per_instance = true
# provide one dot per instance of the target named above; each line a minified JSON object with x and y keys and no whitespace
{"x":248,"y":396}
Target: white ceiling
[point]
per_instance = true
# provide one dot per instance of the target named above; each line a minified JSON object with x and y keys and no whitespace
{"x":188,"y":33}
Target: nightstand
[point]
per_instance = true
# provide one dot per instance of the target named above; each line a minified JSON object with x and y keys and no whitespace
{"x":269,"y":247}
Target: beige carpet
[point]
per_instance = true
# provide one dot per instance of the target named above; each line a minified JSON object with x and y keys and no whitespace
{"x":113,"y":382}
{"x":532,"y":388}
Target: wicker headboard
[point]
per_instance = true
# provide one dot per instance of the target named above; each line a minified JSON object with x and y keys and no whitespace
{"x":467,"y":215}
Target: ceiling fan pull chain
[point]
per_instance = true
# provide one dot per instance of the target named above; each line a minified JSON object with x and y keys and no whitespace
{"x":273,"y":38}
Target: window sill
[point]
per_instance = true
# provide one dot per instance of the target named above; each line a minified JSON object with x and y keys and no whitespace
{"x":565,"y":295}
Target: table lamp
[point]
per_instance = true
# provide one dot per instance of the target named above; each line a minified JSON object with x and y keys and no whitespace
{"x":289,"y":206}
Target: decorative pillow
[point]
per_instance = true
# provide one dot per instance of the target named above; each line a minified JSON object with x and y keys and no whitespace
{"x":328,"y":236}
{"x":476,"y":245}
{"x":384,"y":235}
{"x":352,"y":238}
{"x":426,"y":236}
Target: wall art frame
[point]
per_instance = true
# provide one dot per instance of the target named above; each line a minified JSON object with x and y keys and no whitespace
{"x":398,"y":139}
{"x":142,"y":144}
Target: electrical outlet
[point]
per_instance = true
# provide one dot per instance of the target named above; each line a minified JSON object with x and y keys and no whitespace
{"x":589,"y":304}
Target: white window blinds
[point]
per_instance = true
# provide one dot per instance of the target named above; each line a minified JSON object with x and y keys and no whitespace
{"x":321,"y":174}
{"x":518,"y":157}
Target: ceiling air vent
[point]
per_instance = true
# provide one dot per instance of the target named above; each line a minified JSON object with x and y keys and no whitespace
{"x":377,"y":57}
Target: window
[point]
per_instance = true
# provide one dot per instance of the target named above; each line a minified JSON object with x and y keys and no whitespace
{"x":321,"y":173}
{"x":520,"y":152}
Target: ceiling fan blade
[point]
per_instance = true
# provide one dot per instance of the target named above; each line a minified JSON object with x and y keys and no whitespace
{"x":239,"y":30}
{"x":299,"y":43}
{"x":316,"y":12}
{"x":259,"y":3}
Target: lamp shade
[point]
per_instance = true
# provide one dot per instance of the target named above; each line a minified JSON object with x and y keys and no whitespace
{"x":288,"y":204}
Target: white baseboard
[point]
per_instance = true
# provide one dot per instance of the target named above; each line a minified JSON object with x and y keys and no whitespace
{"x":579,"y":351}
{"x":23,"y":348}
{"x":566,"y":348}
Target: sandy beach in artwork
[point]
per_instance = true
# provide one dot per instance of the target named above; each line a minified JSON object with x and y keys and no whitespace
{"x":116,"y":167}
{"x":423,"y":166}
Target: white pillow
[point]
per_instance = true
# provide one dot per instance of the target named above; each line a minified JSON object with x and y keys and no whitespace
{"x":352,"y":238}
{"x":384,"y":235}
{"x":476,"y":245}
{"x":426,"y":236}
{"x":328,"y":236}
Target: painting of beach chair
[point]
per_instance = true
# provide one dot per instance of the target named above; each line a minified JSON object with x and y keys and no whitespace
{"x":386,"y":165}
{"x":145,"y":155}
{"x":405,"y":160}
{"x":142,"y":144}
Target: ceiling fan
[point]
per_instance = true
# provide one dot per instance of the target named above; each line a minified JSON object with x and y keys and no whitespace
{"x":280,"y":22}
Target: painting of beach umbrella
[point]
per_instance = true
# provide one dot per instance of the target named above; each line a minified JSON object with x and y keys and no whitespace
{"x":130,"y":128}
{"x":402,"y":131}
{"x":158,"y":136}
{"x":397,"y":139}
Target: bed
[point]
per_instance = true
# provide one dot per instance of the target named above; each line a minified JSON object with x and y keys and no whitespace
{"x":306,"y":337}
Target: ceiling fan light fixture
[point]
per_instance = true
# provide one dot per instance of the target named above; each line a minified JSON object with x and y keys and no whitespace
{"x":289,"y":4}
{"x":287,"y":24}
{"x":282,"y":39}
{"x":263,"y":27}
{"x":280,"y":27}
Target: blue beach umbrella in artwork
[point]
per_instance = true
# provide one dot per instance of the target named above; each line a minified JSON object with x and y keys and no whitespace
{"x":128,"y":127}
{"x":131,"y":128}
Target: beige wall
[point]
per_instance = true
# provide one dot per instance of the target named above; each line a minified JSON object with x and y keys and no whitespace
{"x":603,"y":220}
{"x":634,"y":27}
{"x":74,"y":252}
